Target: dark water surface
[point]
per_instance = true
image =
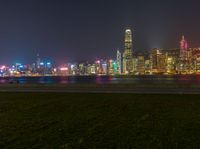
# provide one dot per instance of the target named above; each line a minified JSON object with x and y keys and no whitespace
{"x":150,"y":79}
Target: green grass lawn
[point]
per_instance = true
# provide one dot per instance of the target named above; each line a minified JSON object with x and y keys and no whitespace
{"x":98,"y":121}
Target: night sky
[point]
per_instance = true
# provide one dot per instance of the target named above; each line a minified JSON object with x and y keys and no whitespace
{"x":70,"y":30}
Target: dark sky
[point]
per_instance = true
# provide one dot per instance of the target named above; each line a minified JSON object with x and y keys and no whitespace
{"x":68,"y":30}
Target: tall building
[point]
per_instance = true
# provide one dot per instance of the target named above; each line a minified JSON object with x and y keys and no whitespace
{"x":170,"y":65}
{"x":172,"y":60}
{"x":119,"y":62}
{"x":110,"y":67}
{"x":147,"y":66}
{"x":184,"y":64}
{"x":128,"y":53}
{"x":140,"y":67}
{"x":38,"y":61}
{"x":98,"y":66}
{"x":196,"y":59}
{"x":104,"y":68}
{"x":158,"y":61}
{"x":183,"y":48}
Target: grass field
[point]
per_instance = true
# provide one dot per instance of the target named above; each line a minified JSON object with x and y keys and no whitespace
{"x":98,"y":121}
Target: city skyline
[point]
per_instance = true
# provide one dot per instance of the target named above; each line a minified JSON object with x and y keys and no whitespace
{"x":182,"y":60}
{"x":62,"y":30}
{"x":130,"y":46}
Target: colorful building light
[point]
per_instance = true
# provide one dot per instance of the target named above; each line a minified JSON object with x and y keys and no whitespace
{"x":98,"y":62}
{"x":63,"y":68}
{"x":3,"y":67}
{"x":21,"y":66}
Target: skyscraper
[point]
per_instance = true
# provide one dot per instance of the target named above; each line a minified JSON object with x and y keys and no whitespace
{"x":38,"y":61}
{"x":183,"y":48}
{"x":128,"y":53}
{"x":140,"y":69}
{"x":119,"y":62}
{"x":158,"y":61}
{"x":183,"y":64}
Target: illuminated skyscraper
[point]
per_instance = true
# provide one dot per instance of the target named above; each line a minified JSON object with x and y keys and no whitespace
{"x":38,"y":61}
{"x":119,"y":62}
{"x":111,"y":67}
{"x":158,"y":61}
{"x":183,"y":48}
{"x":183,"y":65}
{"x":140,"y":69}
{"x":128,"y":53}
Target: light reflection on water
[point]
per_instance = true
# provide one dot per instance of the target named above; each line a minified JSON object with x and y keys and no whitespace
{"x":151,"y":79}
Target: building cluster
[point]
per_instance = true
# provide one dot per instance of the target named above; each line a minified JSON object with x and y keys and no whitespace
{"x":182,"y":60}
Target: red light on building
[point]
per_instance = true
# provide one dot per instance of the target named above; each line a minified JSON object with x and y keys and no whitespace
{"x":183,"y":43}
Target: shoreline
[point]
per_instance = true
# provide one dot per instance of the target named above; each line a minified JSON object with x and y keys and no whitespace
{"x":101,"y":88}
